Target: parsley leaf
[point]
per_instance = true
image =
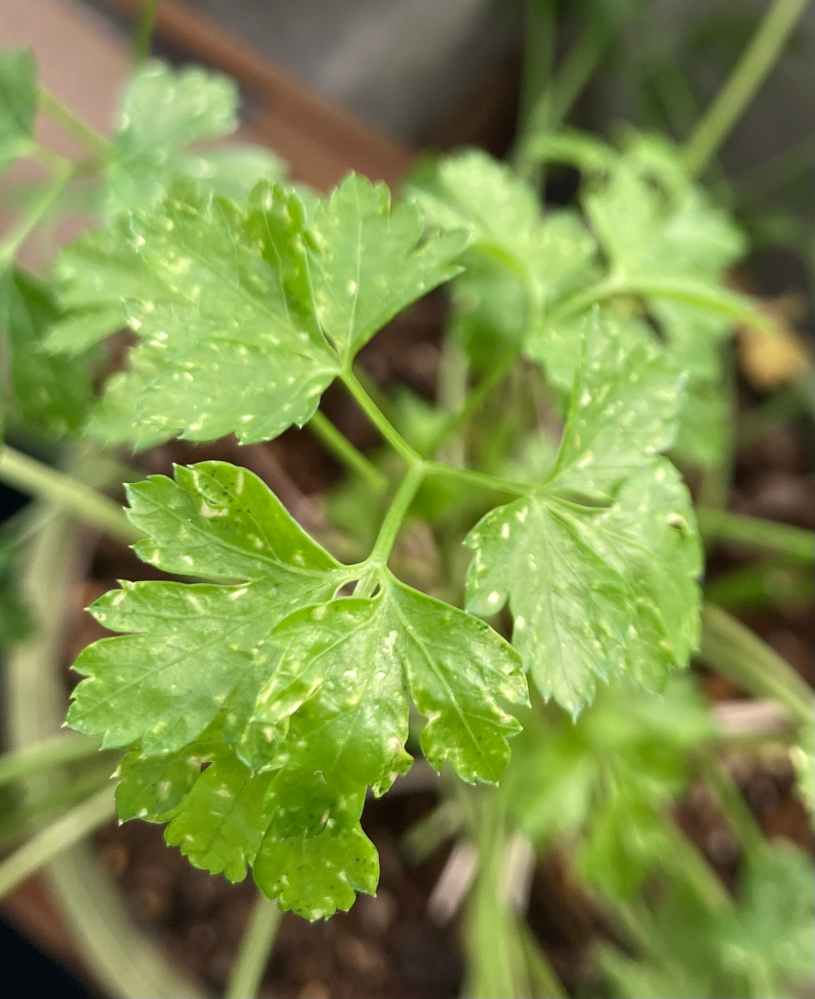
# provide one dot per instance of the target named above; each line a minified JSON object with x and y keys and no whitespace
{"x":645,"y":235}
{"x":761,"y":947}
{"x":473,"y":190}
{"x":314,"y":856}
{"x":398,"y":643}
{"x":245,"y":316}
{"x":560,"y":770}
{"x":95,"y":275}
{"x":519,"y":263}
{"x":622,"y":411}
{"x":18,"y":103}
{"x":220,"y":824}
{"x":368,"y":261}
{"x":777,"y":915}
{"x":228,"y":348}
{"x":599,"y":592}
{"x":193,"y":642}
{"x":298,"y":701}
{"x":53,"y":393}
{"x":164,"y":111}
{"x":337,"y":705}
{"x":152,"y":787}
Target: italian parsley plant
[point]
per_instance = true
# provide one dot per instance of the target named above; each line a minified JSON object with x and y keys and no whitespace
{"x":265,"y":688}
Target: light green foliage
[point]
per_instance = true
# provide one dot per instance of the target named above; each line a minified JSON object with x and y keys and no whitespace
{"x":622,"y":412}
{"x":163,"y":113}
{"x":298,"y":701}
{"x":401,"y":641}
{"x":191,"y":644}
{"x":777,"y":916}
{"x":644,"y":234}
{"x":610,"y":778}
{"x":662,"y":239}
{"x":95,"y":275}
{"x":369,"y":261}
{"x":18,"y":103}
{"x":152,"y":787}
{"x":245,"y":315}
{"x":761,"y":947}
{"x":600,"y":564}
{"x":655,"y":226}
{"x":220,"y":824}
{"x":520,"y":262}
{"x":51,"y":393}
{"x":586,"y":152}
{"x":473,"y":190}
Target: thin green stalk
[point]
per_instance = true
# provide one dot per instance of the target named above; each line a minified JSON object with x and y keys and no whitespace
{"x":397,"y":512}
{"x":48,"y":158}
{"x":43,"y":755}
{"x":731,"y":304}
{"x":556,"y":100}
{"x":71,"y":123}
{"x":720,"y":525}
{"x":605,"y":288}
{"x":750,"y":72}
{"x":35,"y":811}
{"x":539,"y":33}
{"x":32,"y":477}
{"x":733,"y":650}
{"x":542,"y":977}
{"x":451,"y":393}
{"x":636,"y":923}
{"x":59,"y":836}
{"x":374,"y":391}
{"x":685,"y":863}
{"x":378,"y":418}
{"x":717,"y":479}
{"x":535,"y":101}
{"x":342,"y":449}
{"x":15,"y":239}
{"x":760,"y":980}
{"x":673,"y":89}
{"x":23,"y":525}
{"x":256,"y":946}
{"x":144,"y":33}
{"x":664,"y":76}
{"x":762,"y":586}
{"x":473,"y":478}
{"x":584,"y":57}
